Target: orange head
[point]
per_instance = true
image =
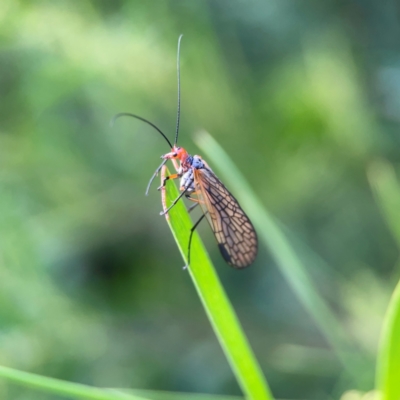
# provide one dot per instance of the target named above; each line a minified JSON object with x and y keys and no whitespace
{"x":177,"y":152}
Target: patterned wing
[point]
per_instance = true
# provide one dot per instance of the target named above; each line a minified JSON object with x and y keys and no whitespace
{"x":235,"y":234}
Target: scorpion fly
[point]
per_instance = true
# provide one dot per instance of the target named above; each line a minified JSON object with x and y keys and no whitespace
{"x":235,"y":234}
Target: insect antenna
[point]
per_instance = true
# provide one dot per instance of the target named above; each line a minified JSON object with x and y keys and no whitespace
{"x":125,"y":114}
{"x":178,"y":68}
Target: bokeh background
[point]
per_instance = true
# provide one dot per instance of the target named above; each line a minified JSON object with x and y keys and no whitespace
{"x":305,"y":98}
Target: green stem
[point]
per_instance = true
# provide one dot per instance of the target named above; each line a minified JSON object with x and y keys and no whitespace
{"x":57,"y":386}
{"x":388,"y":366}
{"x":216,"y":304}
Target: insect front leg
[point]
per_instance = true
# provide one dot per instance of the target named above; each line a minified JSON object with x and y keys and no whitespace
{"x":172,"y":176}
{"x":176,"y":165}
{"x":154,"y":176}
{"x":163,"y":195}
{"x":165,"y":179}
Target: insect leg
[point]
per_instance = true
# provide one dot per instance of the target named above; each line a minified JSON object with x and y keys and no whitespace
{"x":196,"y":201}
{"x":192,"y":207}
{"x":154,"y":175}
{"x":176,"y":165}
{"x":177,"y":199}
{"x":163,"y":194}
{"x":172,"y":176}
{"x":190,"y":238}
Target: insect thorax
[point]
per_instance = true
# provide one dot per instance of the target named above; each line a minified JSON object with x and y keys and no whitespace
{"x":191,"y":163}
{"x":195,"y":162}
{"x":187,"y":180}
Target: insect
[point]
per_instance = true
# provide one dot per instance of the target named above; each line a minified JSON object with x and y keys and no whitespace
{"x":235,"y":234}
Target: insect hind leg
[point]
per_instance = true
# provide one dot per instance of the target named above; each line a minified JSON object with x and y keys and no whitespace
{"x":190,"y":238}
{"x":192,"y":207}
{"x":196,"y":201}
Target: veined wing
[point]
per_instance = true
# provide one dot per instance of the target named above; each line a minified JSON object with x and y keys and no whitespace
{"x":235,"y":234}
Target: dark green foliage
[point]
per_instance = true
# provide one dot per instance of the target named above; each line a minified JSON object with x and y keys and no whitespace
{"x":303,"y":96}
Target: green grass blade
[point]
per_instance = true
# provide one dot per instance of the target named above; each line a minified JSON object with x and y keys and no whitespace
{"x":388,"y":366}
{"x":286,"y":258}
{"x":79,"y":391}
{"x":383,"y":180}
{"x":217,"y":306}
{"x":386,"y":188}
{"x":63,"y":388}
{"x":162,"y":395}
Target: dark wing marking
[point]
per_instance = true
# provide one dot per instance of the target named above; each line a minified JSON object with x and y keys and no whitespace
{"x":235,"y":234}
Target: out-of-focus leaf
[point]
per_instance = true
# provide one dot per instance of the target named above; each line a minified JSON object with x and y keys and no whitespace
{"x":287,"y":260}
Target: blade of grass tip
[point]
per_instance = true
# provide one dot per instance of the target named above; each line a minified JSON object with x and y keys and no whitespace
{"x":288,"y":262}
{"x":216,"y":304}
{"x":388,"y":365}
{"x":63,"y":388}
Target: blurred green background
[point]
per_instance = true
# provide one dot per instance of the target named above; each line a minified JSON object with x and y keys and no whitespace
{"x":305,"y":98}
